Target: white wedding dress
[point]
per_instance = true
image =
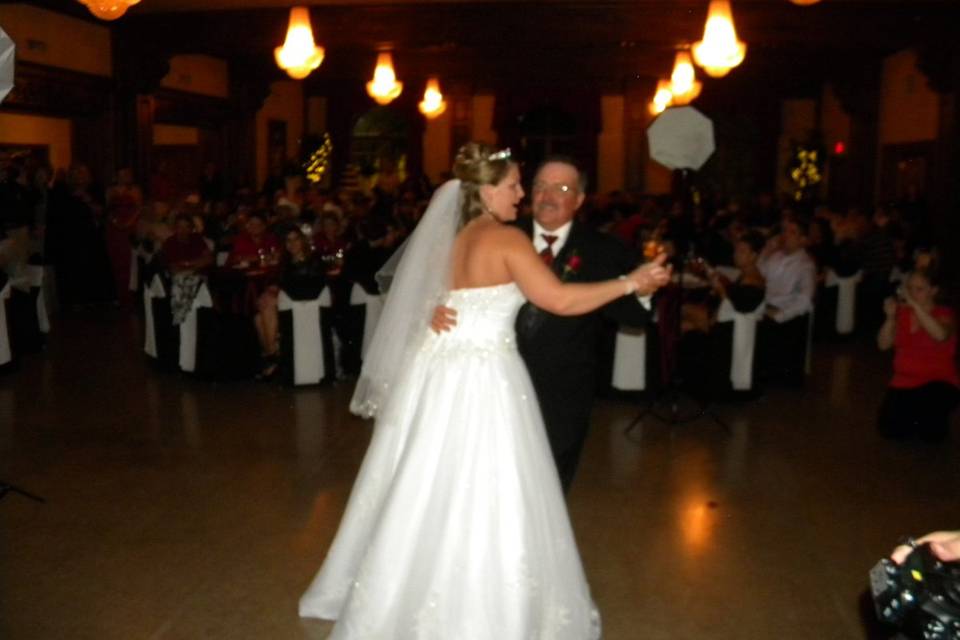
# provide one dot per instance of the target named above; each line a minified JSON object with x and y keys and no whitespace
{"x":456,"y":528}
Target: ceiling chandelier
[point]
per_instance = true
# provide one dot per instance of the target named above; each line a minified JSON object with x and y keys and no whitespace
{"x":719,"y":51}
{"x":662,"y":99}
{"x":299,"y":55}
{"x":108,"y":9}
{"x":384,"y":87}
{"x":433,"y":103}
{"x":683,"y":81}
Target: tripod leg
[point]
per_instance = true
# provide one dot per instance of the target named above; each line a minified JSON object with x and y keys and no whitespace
{"x":6,"y":488}
{"x":638,"y":420}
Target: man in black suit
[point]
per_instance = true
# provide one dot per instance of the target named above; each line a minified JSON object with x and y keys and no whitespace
{"x":561,"y":352}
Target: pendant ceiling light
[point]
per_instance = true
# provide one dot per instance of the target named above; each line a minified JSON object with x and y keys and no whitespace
{"x":662,"y":99}
{"x":108,"y":9}
{"x":719,"y":51}
{"x":804,"y":3}
{"x":433,"y":103}
{"x":683,"y":81}
{"x":384,"y":87}
{"x":299,"y":55}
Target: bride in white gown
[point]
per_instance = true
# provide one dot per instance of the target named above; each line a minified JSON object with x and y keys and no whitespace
{"x":456,"y":528}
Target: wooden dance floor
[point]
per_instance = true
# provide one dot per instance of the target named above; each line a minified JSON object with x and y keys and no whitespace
{"x":183,"y":509}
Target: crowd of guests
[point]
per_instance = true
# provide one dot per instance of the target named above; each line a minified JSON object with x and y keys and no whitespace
{"x":785,"y":259}
{"x":295,"y":237}
{"x":105,"y":244}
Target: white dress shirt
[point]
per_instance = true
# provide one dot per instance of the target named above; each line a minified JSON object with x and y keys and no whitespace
{"x":562,"y":234}
{"x":791,"y":283}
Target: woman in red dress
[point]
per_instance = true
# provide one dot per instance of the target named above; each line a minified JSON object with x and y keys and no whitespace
{"x":925,"y":388}
{"x":255,"y":245}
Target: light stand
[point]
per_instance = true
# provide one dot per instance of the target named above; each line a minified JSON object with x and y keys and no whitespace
{"x":666,"y":404}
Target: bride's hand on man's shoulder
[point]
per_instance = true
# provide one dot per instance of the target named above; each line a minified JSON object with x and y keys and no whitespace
{"x":652,"y":275}
{"x":444,"y":319}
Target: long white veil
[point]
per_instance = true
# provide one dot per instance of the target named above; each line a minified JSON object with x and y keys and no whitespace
{"x":417,"y":276}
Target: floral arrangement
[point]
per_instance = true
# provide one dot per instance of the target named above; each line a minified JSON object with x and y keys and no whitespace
{"x":805,"y":172}
{"x":319,"y":161}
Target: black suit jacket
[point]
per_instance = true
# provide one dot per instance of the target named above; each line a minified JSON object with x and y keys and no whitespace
{"x":561,"y":351}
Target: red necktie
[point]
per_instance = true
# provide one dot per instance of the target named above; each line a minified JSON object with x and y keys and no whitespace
{"x":547,"y":253}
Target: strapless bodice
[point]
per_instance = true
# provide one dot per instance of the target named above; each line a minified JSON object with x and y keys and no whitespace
{"x":485,"y":319}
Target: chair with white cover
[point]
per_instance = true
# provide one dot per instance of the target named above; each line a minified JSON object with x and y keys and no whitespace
{"x":35,"y":275}
{"x":6,"y":353}
{"x":630,"y":360}
{"x":373,"y":306}
{"x":845,"y":319}
{"x":730,"y":273}
{"x":160,"y":334}
{"x":188,"y":329}
{"x":743,"y":344}
{"x":140,"y":258}
{"x":133,"y":280}
{"x":302,"y":350}
{"x":27,"y":322}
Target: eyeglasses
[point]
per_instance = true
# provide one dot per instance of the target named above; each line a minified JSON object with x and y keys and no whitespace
{"x":558,"y":189}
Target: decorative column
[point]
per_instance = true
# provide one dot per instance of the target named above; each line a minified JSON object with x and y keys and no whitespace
{"x":138,"y":71}
{"x":611,"y":144}
{"x":858,"y":89}
{"x":249,"y":88}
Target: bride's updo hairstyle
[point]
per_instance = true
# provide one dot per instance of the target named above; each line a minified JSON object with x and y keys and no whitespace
{"x":478,"y":164}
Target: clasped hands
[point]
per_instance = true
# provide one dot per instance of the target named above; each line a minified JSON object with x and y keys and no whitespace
{"x":652,"y":275}
{"x":648,"y":278}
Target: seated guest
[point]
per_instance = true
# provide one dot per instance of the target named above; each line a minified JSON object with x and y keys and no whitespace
{"x":302,"y":278}
{"x":330,"y":244}
{"x":746,"y":293}
{"x":186,"y":250}
{"x":820,"y":246}
{"x":925,"y":387}
{"x":255,"y":244}
{"x":791,"y":283}
{"x":185,"y":255}
{"x":705,"y":350}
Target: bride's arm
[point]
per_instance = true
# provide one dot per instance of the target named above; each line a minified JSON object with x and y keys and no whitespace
{"x":542,"y":287}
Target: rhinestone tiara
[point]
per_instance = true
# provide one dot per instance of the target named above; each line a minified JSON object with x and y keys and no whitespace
{"x":499,"y":155}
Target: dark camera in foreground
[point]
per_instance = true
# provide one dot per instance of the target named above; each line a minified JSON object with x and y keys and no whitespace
{"x":921,"y":597}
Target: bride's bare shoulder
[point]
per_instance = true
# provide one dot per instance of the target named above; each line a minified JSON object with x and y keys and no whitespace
{"x":494,"y":232}
{"x":509,"y":234}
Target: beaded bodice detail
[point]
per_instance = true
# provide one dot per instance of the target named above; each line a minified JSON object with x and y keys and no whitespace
{"x":485,"y":320}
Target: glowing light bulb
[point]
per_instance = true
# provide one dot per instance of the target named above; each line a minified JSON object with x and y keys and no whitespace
{"x":719,"y":51}
{"x":384,"y":87}
{"x":433,"y":103}
{"x":299,"y":55}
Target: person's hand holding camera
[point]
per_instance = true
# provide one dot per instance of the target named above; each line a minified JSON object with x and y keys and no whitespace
{"x":945,"y":545}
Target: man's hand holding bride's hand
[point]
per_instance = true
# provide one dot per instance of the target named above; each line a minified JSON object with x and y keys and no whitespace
{"x":444,"y":319}
{"x":652,"y":275}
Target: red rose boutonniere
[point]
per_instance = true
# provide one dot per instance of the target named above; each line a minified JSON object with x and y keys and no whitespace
{"x":572,"y":267}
